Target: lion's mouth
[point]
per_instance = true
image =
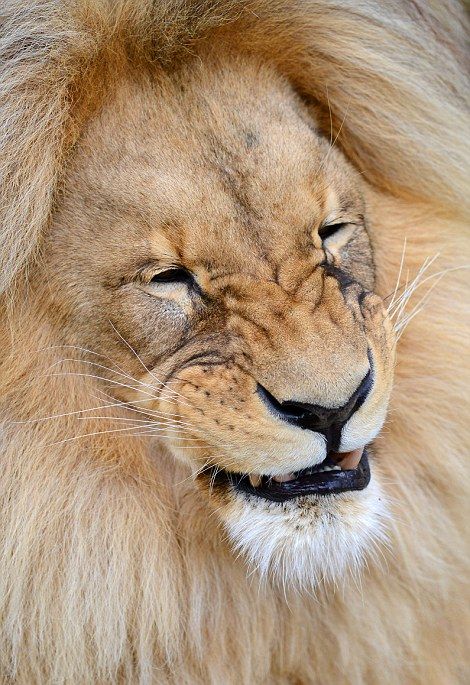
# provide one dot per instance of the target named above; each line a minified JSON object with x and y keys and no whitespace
{"x":335,"y":474}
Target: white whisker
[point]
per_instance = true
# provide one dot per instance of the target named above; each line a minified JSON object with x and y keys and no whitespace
{"x":161,"y":383}
{"x":83,"y":349}
{"x":100,"y":378}
{"x":162,"y":422}
{"x":105,"y":368}
{"x":402,"y":319}
{"x":114,"y":430}
{"x":100,"y":407}
{"x":149,"y":412}
{"x":415,"y":283}
{"x":399,"y":275}
{"x":329,"y":111}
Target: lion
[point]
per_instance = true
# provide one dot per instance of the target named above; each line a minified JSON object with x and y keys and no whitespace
{"x":233,"y":427}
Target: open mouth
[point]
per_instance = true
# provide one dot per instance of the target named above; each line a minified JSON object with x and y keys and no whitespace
{"x":338,"y":472}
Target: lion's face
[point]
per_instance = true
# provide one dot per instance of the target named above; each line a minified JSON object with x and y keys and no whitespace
{"x":212,"y":245}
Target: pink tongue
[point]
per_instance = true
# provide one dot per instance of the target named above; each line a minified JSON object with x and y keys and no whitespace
{"x":347,"y":460}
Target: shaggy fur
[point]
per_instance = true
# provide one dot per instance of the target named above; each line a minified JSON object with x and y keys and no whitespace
{"x":115,"y":567}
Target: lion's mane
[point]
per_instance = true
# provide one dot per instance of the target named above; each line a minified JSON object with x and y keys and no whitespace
{"x":107,"y":573}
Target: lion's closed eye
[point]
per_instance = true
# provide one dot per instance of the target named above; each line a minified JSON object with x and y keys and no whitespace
{"x":328,"y":230}
{"x":174,"y":275}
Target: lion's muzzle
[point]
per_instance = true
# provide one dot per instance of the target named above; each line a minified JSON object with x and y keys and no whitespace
{"x":328,"y":421}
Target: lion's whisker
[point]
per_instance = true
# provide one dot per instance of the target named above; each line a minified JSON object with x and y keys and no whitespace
{"x":167,"y":395}
{"x":164,"y":415}
{"x":96,"y":377}
{"x":86,"y":350}
{"x":90,"y":409}
{"x":172,"y":393}
{"x":194,"y":473}
{"x":409,"y":287}
{"x":439,"y":275}
{"x":147,"y":411}
{"x":399,"y":275}
{"x":162,"y":422}
{"x":158,"y":414}
{"x":161,"y":383}
{"x":161,"y":437}
{"x":403,"y":320}
{"x":215,"y":472}
{"x":105,"y":368}
{"x":401,"y":302}
{"x":107,"y":380}
{"x":341,"y":126}
{"x":329,"y":112}
{"x":115,"y":430}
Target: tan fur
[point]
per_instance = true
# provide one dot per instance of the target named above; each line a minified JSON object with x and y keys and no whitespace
{"x":115,"y":565}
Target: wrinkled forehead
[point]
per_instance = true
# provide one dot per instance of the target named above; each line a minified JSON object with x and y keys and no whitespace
{"x":223,"y":156}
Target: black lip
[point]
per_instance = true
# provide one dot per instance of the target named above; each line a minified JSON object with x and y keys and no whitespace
{"x":326,"y":483}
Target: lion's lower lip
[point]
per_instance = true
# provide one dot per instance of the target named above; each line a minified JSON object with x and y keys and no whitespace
{"x":324,"y":479}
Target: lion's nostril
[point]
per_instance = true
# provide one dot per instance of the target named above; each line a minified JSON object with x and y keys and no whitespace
{"x":326,"y":420}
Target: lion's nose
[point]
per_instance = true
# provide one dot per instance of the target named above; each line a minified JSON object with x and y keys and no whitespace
{"x":325,"y":420}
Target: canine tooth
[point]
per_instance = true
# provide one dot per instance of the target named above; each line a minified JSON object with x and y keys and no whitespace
{"x":348,"y":460}
{"x":254,"y":479}
{"x":284,"y":478}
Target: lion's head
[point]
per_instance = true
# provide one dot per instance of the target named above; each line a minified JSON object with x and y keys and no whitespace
{"x":213,"y":245}
{"x":216,"y":219}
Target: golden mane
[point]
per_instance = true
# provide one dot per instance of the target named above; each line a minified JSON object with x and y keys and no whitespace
{"x":100,"y":580}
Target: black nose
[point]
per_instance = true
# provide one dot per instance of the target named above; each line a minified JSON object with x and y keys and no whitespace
{"x":325,"y":420}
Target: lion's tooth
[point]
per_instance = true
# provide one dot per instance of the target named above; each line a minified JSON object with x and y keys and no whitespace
{"x":284,"y":478}
{"x":348,"y":460}
{"x":254,"y":479}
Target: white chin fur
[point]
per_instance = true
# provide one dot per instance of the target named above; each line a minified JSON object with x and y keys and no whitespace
{"x":299,"y":543}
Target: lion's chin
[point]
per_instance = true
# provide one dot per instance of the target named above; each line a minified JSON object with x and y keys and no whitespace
{"x":300,"y":543}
